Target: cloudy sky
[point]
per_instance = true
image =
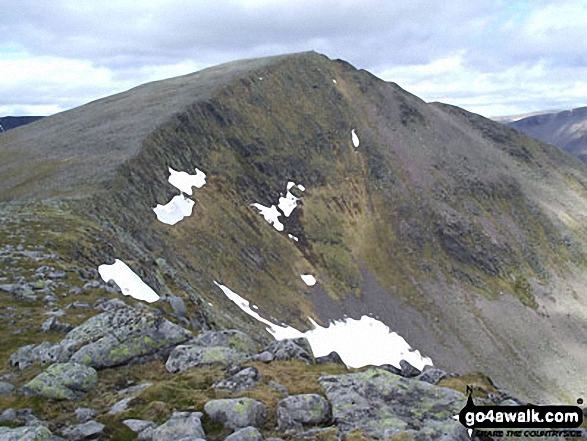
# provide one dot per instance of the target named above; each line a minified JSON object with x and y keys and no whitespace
{"x":493,"y":57}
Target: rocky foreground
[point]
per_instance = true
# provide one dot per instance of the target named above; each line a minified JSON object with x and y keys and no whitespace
{"x":81,"y":361}
{"x":375,"y":403}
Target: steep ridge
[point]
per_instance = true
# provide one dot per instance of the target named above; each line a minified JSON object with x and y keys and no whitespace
{"x":462,"y":235}
{"x":566,"y":129}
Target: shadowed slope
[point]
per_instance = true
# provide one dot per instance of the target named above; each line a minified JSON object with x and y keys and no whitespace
{"x":567,"y":130}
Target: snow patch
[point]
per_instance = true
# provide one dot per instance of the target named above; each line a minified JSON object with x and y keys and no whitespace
{"x":289,"y":202}
{"x":271,"y":215}
{"x":355,"y":138}
{"x":279,"y":332}
{"x":309,"y":279}
{"x":359,"y":343}
{"x":184,"y":181}
{"x":129,"y":283}
{"x":286,"y":204}
{"x":175,"y":210}
{"x":291,"y":236}
{"x":334,"y":81}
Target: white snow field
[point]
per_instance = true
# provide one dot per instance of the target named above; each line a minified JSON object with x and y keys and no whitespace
{"x":129,"y":283}
{"x":184,"y":181}
{"x":362,"y":342}
{"x":308,"y":279}
{"x":175,"y":210}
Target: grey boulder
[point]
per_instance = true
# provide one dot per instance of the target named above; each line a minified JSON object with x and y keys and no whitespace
{"x":62,"y":381}
{"x":84,"y":414}
{"x":244,"y":379}
{"x":118,"y":336}
{"x":291,"y":349}
{"x":431,"y":375}
{"x":6,"y":388}
{"x":231,"y":338}
{"x":120,"y":406}
{"x":87,"y":430}
{"x":245,"y":434}
{"x":143,"y":429}
{"x":408,"y":370}
{"x":37,"y":433}
{"x":297,"y":411}
{"x":180,"y":425}
{"x":383,"y":405}
{"x":333,"y":357}
{"x":236,"y":413}
{"x":184,"y":357}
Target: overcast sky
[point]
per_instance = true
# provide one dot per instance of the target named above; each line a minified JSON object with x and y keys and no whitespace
{"x":492,"y":57}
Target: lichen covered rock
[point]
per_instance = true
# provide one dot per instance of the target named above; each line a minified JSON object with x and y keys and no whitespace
{"x":297,"y":411}
{"x":180,"y":425}
{"x":236,"y":413}
{"x":184,"y":357}
{"x":382,"y":405}
{"x":291,"y":349}
{"x":246,"y":434}
{"x":62,"y":381}
{"x":116,"y":337}
{"x":232,"y":338}
{"x":37,"y":433}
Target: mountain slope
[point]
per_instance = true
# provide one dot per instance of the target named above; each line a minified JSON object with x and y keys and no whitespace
{"x":567,"y":130}
{"x":464,"y":236}
{"x":11,"y":122}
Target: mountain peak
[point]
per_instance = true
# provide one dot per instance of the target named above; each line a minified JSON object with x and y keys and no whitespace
{"x":460,"y":234}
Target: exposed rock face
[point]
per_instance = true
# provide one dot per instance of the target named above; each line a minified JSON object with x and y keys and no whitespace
{"x":236,"y":413}
{"x":291,"y":349}
{"x":180,"y":425}
{"x":297,"y":411}
{"x":63,"y":381}
{"x":383,"y":405}
{"x":184,"y":357}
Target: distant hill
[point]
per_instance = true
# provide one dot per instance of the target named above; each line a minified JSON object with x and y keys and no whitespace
{"x":510,"y":118}
{"x":566,"y":129}
{"x":11,"y":122}
{"x":466,"y":237}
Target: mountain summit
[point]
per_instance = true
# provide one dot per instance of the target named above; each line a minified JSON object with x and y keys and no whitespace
{"x":464,"y":236}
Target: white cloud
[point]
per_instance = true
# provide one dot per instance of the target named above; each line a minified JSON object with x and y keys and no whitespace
{"x":469,"y":53}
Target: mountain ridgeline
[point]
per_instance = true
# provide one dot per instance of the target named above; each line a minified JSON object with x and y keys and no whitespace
{"x":566,"y":129}
{"x":463,"y":235}
{"x":11,"y":122}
